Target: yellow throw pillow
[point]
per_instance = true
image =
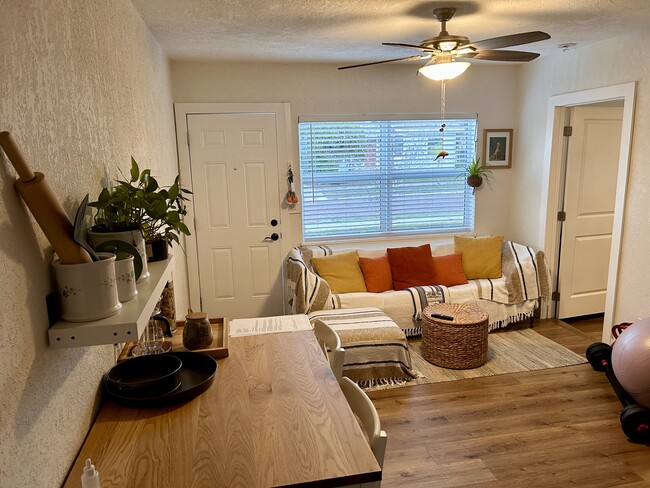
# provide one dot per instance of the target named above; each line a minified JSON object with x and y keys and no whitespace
{"x":481,"y":256}
{"x":341,"y":271}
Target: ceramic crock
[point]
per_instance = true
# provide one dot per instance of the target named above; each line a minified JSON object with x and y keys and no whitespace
{"x":87,"y":291}
{"x":133,"y":237}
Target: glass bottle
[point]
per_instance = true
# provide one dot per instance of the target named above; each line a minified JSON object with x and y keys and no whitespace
{"x":167,"y":304}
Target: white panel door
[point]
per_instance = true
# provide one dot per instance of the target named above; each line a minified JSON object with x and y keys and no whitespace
{"x":234,"y":167}
{"x":590,"y":191}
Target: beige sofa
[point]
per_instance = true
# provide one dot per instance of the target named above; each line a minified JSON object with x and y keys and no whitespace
{"x":511,"y":298}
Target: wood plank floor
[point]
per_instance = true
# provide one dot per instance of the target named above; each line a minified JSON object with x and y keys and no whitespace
{"x":551,"y":428}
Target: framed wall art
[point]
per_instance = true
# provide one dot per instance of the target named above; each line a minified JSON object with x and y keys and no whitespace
{"x":497,"y":148}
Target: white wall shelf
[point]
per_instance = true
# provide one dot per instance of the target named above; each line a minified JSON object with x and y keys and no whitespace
{"x":126,"y":325}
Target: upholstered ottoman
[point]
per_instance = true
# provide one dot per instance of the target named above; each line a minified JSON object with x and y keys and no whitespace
{"x":454,"y":335}
{"x":376,"y":351}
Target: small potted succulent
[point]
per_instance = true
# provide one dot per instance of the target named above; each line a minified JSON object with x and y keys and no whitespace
{"x":475,"y":172}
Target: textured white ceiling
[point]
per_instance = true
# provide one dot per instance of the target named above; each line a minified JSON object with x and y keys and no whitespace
{"x":346,"y":31}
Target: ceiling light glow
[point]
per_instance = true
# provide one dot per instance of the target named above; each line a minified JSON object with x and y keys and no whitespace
{"x":443,"y":68}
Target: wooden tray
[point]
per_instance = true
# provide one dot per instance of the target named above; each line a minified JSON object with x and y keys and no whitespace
{"x":218,"y":349}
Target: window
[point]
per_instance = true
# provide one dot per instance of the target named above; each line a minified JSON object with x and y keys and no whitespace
{"x":378,"y":176}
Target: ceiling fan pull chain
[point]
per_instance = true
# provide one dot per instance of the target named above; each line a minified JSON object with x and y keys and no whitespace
{"x":442,"y":153}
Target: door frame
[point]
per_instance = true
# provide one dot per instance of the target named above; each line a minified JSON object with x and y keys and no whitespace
{"x":283,"y":134}
{"x":575,"y":157}
{"x":558,"y":107}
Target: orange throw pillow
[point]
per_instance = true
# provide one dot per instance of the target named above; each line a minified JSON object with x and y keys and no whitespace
{"x":376,"y":273}
{"x":411,"y":266}
{"x":449,"y":270}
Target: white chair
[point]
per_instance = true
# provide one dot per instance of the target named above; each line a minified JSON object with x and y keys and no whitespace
{"x":330,"y":342}
{"x":363,"y":407}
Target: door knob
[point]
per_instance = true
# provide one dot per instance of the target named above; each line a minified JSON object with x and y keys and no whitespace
{"x":272,"y":237}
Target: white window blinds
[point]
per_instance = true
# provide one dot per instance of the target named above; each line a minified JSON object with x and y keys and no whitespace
{"x":378,"y":177}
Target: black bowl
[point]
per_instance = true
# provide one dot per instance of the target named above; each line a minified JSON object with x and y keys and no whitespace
{"x":146,"y":376}
{"x":197,"y":374}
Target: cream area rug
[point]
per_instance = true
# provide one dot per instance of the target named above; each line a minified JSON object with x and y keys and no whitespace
{"x":508,"y":352}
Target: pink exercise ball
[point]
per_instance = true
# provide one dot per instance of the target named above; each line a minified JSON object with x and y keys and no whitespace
{"x":631,"y":360}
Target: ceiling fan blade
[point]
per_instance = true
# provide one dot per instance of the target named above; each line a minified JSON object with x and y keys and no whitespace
{"x":401,"y":44}
{"x":407,"y":58}
{"x":507,"y":41}
{"x":489,"y":55}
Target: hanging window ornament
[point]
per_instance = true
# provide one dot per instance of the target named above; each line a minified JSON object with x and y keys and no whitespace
{"x":442,"y":105}
{"x":442,"y":153}
{"x":291,"y":196}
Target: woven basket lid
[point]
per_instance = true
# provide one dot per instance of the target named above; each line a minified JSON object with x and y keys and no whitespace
{"x":462,"y":314}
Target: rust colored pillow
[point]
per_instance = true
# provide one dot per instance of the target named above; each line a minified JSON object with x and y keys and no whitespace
{"x":449,"y":270}
{"x":376,"y":273}
{"x":411,"y":266}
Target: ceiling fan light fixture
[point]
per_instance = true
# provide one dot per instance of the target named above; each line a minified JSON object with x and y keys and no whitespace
{"x":447,"y":46}
{"x":443,"y":68}
{"x":444,"y":47}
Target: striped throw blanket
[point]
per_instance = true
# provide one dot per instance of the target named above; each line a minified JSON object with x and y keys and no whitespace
{"x":376,"y":351}
{"x":304,"y":289}
{"x":403,"y":307}
{"x":526,"y":276}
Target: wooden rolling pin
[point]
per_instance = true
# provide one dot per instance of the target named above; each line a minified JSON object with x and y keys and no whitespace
{"x":45,"y":207}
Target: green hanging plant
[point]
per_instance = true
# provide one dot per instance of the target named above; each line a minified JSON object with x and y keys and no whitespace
{"x":475,"y":172}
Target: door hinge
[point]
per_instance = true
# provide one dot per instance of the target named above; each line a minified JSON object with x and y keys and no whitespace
{"x":188,"y":138}
{"x":555,"y":296}
{"x":201,"y":303}
{"x":561,"y":216}
{"x":568,"y":131}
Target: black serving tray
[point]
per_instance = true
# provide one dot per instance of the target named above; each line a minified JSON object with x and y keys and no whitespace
{"x":196,"y":375}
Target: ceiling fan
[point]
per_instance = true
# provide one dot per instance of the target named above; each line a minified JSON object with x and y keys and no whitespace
{"x":444,"y":48}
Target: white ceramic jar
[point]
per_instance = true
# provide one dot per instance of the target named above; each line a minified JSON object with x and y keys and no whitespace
{"x":125,"y":276}
{"x":87,"y":291}
{"x":133,"y":237}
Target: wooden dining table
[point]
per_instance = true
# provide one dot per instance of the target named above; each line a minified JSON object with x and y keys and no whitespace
{"x":274,"y":416}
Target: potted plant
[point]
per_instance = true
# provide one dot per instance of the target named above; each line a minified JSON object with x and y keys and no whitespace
{"x":164,"y":209}
{"x":475,"y":172}
{"x":139,"y":208}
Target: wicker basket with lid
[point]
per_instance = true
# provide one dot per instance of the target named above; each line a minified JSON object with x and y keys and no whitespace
{"x":460,"y":343}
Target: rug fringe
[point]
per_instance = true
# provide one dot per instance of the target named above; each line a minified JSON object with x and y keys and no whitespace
{"x":386,"y":383}
{"x":413,"y":332}
{"x":510,"y":320}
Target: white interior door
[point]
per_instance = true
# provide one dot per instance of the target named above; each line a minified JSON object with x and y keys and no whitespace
{"x":589,"y":200}
{"x":234,"y":168}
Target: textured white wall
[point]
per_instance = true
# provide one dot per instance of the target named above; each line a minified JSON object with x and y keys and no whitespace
{"x":82,"y":84}
{"x":610,"y":62}
{"x":322,"y":89}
